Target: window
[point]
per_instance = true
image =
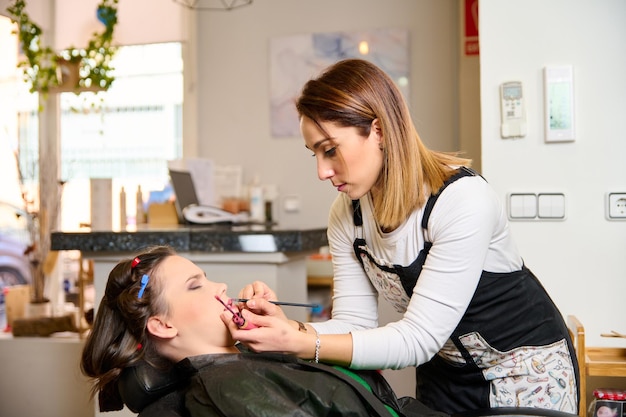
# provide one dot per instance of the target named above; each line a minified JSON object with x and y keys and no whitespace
{"x":126,"y":133}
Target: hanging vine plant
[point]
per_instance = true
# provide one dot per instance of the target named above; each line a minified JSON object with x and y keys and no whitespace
{"x":72,"y":69}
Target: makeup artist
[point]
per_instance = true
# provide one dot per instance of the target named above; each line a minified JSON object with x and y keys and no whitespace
{"x":428,"y":234}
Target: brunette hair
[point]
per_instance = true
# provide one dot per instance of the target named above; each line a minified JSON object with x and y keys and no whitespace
{"x":119,"y":338}
{"x":355,"y":92}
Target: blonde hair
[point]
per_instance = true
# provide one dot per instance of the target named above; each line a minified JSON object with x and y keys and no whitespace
{"x":355,"y":92}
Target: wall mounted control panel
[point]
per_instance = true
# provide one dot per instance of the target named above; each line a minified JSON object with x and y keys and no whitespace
{"x":512,"y":110}
{"x":559,"y":104}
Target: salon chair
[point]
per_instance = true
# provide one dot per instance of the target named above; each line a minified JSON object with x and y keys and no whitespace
{"x":151,"y":392}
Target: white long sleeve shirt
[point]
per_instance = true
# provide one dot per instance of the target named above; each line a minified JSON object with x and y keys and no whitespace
{"x":469,"y":231}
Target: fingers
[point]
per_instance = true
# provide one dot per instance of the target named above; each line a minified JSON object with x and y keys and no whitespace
{"x":261,"y":290}
{"x":227,"y":318}
{"x":250,"y":318}
{"x":262,"y":307}
{"x":257,"y":289}
{"x":264,"y":332}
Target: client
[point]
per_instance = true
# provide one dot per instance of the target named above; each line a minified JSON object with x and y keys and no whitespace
{"x":159,"y":308}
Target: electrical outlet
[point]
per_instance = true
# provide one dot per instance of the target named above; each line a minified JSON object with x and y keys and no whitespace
{"x":291,"y":203}
{"x":616,"y":206}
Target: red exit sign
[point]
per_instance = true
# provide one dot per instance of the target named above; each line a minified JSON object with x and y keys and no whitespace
{"x":471,"y":27}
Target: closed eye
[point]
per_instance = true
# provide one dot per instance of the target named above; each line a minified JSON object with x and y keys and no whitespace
{"x":195,"y":282}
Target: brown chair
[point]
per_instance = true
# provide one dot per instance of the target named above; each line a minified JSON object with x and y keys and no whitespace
{"x":85,"y":277}
{"x":594,"y":361}
{"x":577,"y":333}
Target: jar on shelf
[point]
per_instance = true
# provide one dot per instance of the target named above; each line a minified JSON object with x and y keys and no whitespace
{"x":608,"y":402}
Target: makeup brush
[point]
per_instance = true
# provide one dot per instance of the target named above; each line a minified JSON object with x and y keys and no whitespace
{"x":280,"y":303}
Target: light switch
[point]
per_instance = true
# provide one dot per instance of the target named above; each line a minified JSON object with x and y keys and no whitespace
{"x":551,"y":206}
{"x":522,"y":206}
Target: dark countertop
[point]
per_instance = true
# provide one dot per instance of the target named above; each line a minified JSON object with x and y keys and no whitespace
{"x":208,"y":239}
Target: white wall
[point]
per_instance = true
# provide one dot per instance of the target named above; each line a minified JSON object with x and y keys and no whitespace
{"x":581,"y":260}
{"x":233,"y":80}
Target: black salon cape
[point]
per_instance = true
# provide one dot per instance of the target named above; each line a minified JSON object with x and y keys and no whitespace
{"x":273,"y":385}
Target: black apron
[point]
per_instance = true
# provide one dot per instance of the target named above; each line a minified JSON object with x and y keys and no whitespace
{"x":510,"y":349}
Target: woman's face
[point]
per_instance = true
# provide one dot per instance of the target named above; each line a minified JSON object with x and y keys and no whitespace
{"x":194,"y":312}
{"x":350,"y":161}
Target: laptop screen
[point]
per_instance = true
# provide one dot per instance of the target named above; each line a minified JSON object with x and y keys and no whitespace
{"x":184,"y":190}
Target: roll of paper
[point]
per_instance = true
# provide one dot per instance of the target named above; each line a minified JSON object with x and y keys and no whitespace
{"x":101,"y":203}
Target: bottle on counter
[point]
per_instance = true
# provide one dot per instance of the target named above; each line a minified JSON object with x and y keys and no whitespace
{"x":257,"y":202}
{"x":123,"y":220}
{"x":141,"y":215}
{"x":270,"y":194}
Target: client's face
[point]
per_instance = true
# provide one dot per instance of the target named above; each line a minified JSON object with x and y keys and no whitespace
{"x":193,"y":310}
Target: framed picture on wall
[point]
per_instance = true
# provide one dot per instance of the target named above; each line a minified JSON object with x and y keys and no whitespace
{"x":296,"y":59}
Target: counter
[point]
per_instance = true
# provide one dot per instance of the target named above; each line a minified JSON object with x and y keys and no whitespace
{"x":202,"y":239}
{"x":236,"y":255}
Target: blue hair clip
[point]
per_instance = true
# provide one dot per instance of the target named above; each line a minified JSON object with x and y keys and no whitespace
{"x":144,"y":283}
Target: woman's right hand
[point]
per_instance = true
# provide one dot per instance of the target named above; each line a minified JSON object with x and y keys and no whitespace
{"x":271,"y":330}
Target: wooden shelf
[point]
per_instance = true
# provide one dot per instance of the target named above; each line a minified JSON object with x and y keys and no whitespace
{"x":85,"y":277}
{"x":594,"y":361}
{"x":605,"y":361}
{"x":315,"y":281}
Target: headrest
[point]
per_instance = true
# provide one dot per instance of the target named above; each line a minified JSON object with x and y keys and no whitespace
{"x":142,"y":384}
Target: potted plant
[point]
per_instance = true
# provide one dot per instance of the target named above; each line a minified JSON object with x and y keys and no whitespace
{"x":50,"y":71}
{"x":43,"y":262}
{"x":41,"y":258}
